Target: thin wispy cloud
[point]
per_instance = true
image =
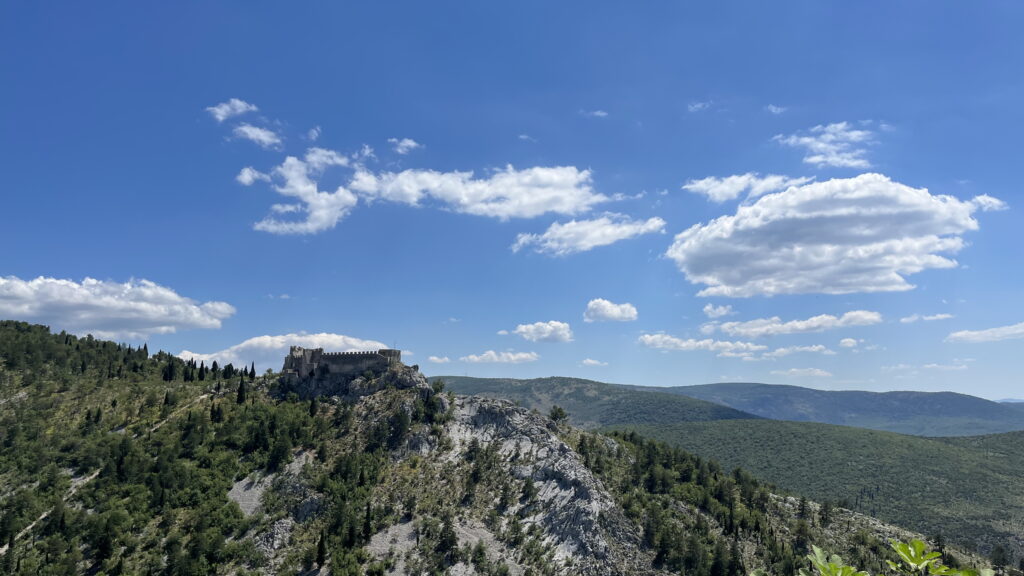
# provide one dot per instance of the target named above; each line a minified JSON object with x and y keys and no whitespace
{"x":803,"y":373}
{"x":230,"y":109}
{"x":594,"y":113}
{"x":263,"y":137}
{"x":775,"y":326}
{"x":492,"y":357}
{"x":404,"y":145}
{"x":1011,"y":332}
{"x":924,"y":318}
{"x":693,"y":107}
{"x":562,"y":239}
{"x":730,"y":187}
{"x":838,"y":145}
{"x":773,"y":109}
{"x":722,"y":347}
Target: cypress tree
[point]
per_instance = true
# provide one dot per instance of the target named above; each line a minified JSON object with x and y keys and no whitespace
{"x":241,"y":392}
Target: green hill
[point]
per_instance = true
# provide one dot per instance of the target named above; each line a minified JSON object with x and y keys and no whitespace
{"x":593,"y":404}
{"x":970,"y":490}
{"x":918,"y":413}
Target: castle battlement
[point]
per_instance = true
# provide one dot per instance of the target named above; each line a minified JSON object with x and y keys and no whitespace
{"x":313,"y":363}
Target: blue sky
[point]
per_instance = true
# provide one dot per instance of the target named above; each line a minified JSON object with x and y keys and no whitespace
{"x":813,"y":193}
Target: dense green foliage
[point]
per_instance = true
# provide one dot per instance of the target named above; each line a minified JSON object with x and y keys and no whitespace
{"x":592,"y":404}
{"x":918,"y":413}
{"x":969,"y":490}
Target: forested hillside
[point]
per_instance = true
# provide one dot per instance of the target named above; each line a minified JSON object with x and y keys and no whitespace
{"x":112,"y":462}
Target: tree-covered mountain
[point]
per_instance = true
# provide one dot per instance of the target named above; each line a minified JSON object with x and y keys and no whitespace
{"x":918,"y":413}
{"x":592,"y":404}
{"x":125,"y":465}
{"x":952,"y":486}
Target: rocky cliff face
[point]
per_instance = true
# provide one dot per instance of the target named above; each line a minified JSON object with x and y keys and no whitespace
{"x":397,"y":376}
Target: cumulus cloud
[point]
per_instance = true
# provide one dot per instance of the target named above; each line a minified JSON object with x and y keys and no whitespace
{"x":774,"y":326}
{"x":582,"y":235}
{"x":837,"y":144}
{"x":230,"y":109}
{"x":322,"y":210}
{"x":133,"y":309}
{"x":712,"y":311}
{"x":249,"y":175}
{"x":730,"y":187}
{"x":862,"y":234}
{"x":404,"y":145}
{"x":263,"y":137}
{"x":989,"y":335}
{"x":803,"y":372}
{"x":849,"y":342}
{"x":551,"y":331}
{"x":492,"y":357}
{"x":269,"y":351}
{"x":506,"y":194}
{"x":601,"y":310}
{"x":438,"y":359}
{"x":592,"y":362}
{"x":723,"y":348}
{"x":775,"y":109}
{"x":924,"y":318}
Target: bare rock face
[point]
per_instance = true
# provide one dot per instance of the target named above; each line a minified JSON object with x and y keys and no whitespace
{"x":397,"y":376}
{"x":579,"y":519}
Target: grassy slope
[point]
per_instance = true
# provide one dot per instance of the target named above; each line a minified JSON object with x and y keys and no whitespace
{"x":969,"y":489}
{"x":918,"y":413}
{"x":592,"y":404}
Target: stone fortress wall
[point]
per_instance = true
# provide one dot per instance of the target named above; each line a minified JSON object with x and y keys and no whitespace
{"x":303,"y":363}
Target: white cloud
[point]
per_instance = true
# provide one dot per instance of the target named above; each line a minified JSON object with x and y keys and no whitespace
{"x":404,"y":145}
{"x":803,"y":372}
{"x":582,"y":235}
{"x":105,"y":309}
{"x":990,"y":335}
{"x":592,"y":362}
{"x":493,"y":357}
{"x":601,"y":310}
{"x":230,"y":109}
{"x":712,"y":311}
{"x":945,"y":367}
{"x":322,"y":209}
{"x":814,"y":349}
{"x":248,"y":175}
{"x":849,"y":342}
{"x":987,"y":203}
{"x":916,"y":317}
{"x":724,"y":348}
{"x":594,"y":113}
{"x":698,"y":106}
{"x":551,"y":331}
{"x":730,"y":187}
{"x":774,"y":326}
{"x":849,"y":235}
{"x":526,"y":138}
{"x":261,"y":136}
{"x":508,"y":193}
{"x":837,"y":144}
{"x":439,"y":359}
{"x":502,"y":332}
{"x":269,"y":351}
{"x":314,"y":134}
{"x":775,"y":109}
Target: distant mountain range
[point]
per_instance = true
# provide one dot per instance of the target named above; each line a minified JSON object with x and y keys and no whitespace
{"x":918,"y":413}
{"x":968,"y":488}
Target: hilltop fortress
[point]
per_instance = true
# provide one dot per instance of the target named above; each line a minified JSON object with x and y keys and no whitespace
{"x":313,"y":372}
